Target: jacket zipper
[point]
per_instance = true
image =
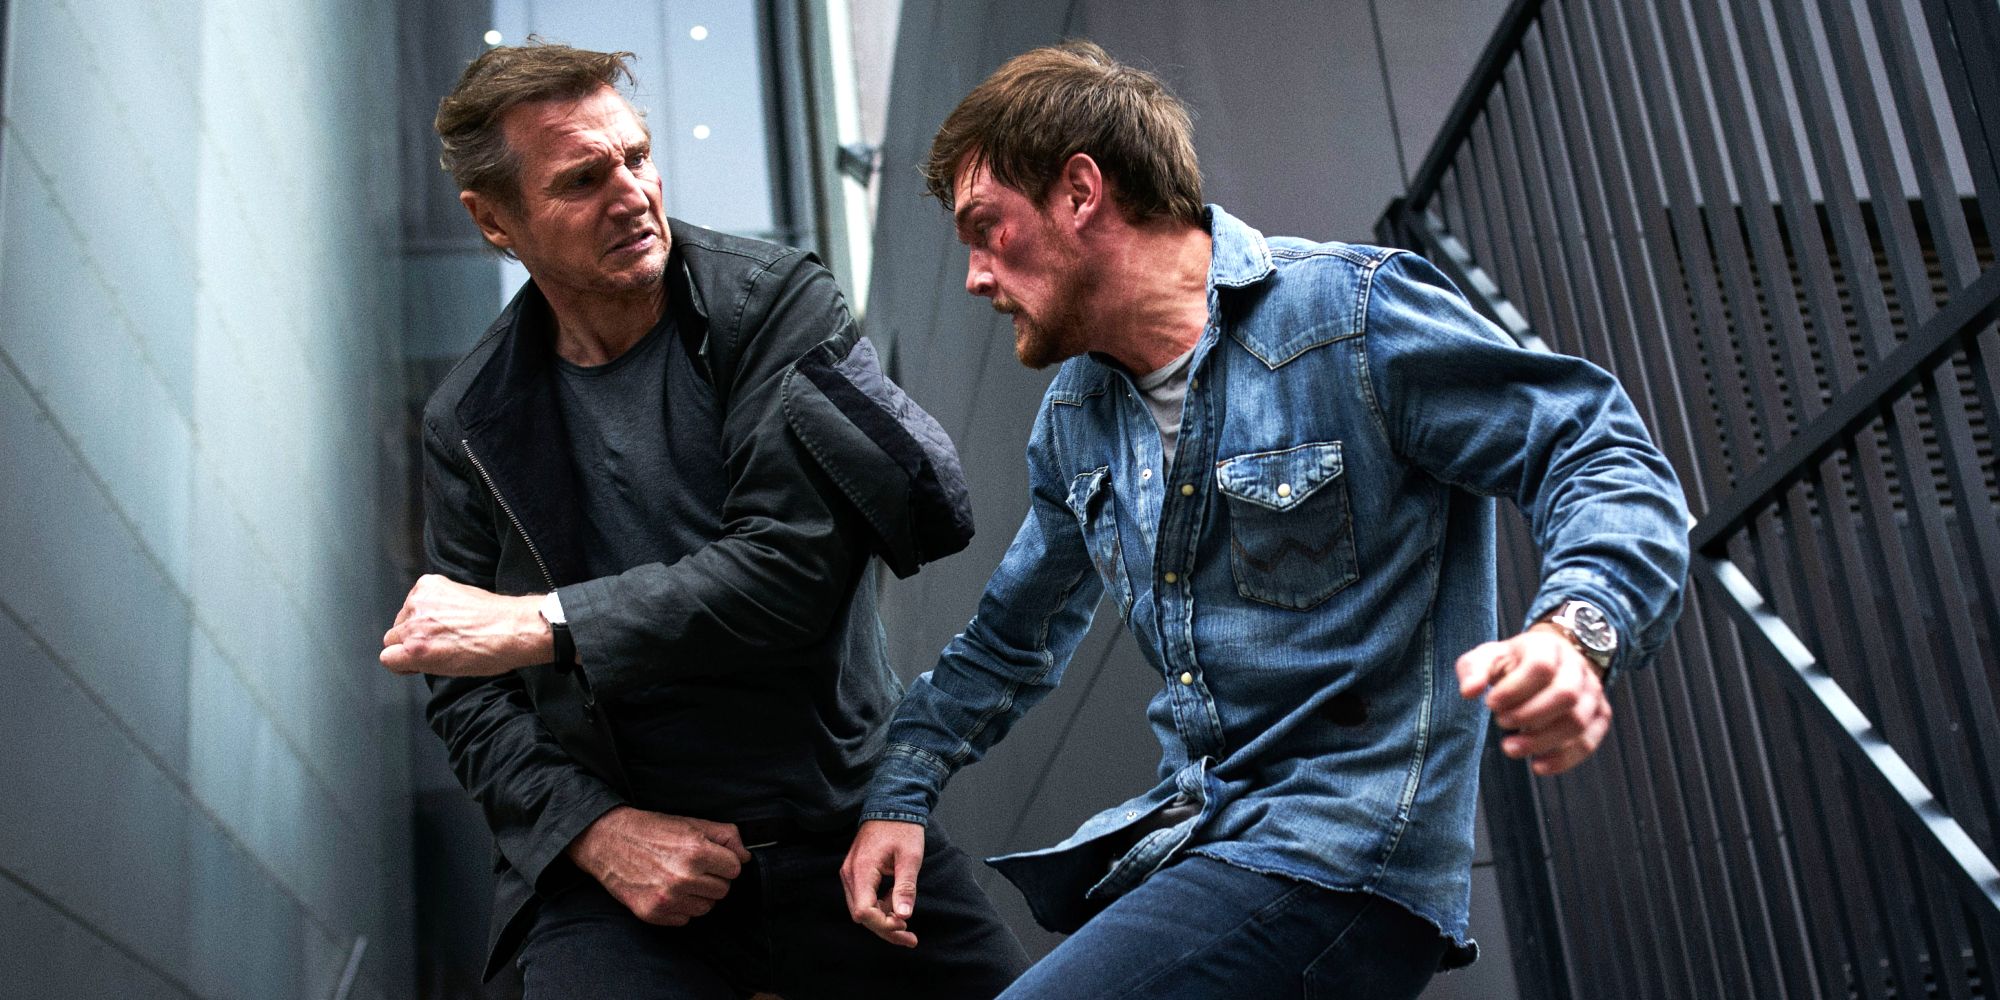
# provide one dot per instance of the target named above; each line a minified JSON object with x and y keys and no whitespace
{"x":509,"y":511}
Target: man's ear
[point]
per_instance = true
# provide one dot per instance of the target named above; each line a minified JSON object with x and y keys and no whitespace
{"x":486,"y":215}
{"x":1080,"y":189}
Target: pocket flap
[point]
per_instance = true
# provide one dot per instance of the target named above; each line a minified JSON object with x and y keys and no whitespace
{"x":1086,"y":488}
{"x":1280,"y":480}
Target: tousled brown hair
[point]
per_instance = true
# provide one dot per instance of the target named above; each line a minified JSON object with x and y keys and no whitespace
{"x":1041,"y":107}
{"x":476,"y":154}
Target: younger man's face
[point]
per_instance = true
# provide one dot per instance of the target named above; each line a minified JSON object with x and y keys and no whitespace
{"x":1027,"y":263}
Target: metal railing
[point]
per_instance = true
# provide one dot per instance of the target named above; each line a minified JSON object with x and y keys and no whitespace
{"x":1773,"y":221}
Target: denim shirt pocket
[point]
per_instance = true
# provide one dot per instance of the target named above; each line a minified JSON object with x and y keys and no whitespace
{"x":1291,"y":538}
{"x":1091,"y":500}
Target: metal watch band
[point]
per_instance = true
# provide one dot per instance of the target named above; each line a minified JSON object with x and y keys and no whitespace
{"x":1565,"y":620}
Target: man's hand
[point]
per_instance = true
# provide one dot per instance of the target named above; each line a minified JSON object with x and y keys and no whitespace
{"x":1544,"y":692}
{"x":454,"y":630}
{"x":884,"y":849}
{"x":667,"y":870}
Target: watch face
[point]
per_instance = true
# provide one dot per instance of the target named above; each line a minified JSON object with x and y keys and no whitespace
{"x":1591,"y":628}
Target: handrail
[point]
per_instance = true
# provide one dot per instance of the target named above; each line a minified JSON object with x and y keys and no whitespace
{"x":1880,"y":767}
{"x":1970,"y":310}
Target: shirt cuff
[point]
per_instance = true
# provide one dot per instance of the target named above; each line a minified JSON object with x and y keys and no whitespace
{"x":598,"y":653}
{"x":554,"y":836}
{"x":906,"y":784}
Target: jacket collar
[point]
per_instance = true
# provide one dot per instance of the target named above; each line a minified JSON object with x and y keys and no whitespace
{"x":513,"y":422}
{"x":526,"y":354}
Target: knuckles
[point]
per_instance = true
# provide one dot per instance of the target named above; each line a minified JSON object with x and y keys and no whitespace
{"x":668,"y":910}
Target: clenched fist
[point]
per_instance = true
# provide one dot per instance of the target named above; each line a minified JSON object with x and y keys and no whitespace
{"x":451,"y":629}
{"x":1542,"y":689}
{"x":667,"y":870}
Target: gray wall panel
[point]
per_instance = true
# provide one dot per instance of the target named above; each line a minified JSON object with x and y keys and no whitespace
{"x":200,"y":370}
{"x":50,"y":956}
{"x":1292,"y":124}
{"x":77,"y":788}
{"x":70,"y":548}
{"x":1432,"y":45}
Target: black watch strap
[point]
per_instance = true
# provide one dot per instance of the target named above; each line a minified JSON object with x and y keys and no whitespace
{"x":565,"y":660}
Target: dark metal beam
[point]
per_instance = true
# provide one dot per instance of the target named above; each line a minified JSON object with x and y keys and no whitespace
{"x":1968,"y":312}
{"x":1934,"y":833}
{"x":1471,"y":101}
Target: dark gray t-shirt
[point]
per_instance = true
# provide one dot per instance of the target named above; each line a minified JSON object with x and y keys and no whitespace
{"x":649,"y":494}
{"x":644,"y":433}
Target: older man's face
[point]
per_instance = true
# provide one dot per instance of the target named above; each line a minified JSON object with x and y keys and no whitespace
{"x":591,"y":217}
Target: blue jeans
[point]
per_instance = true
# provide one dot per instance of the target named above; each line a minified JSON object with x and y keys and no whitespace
{"x":1203,"y":929}
{"x":783,"y":929}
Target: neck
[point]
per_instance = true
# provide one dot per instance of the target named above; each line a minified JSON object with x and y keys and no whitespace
{"x":1156,"y":295}
{"x":594,"y":328}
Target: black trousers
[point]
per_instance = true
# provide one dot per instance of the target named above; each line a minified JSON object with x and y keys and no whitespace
{"x":782,"y":929}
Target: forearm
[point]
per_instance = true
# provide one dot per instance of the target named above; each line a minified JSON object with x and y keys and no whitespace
{"x":1556,"y":434}
{"x":1036,"y":609}
{"x":745,"y":594}
{"x":536,"y":799}
{"x":1614,"y":533}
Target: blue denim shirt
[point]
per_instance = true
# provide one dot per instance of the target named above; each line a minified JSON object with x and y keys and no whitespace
{"x":1303,"y":577}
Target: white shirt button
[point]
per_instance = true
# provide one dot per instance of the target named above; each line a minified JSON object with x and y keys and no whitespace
{"x":1284,"y":489}
{"x":1145,"y":473}
{"x":1187,"y":677}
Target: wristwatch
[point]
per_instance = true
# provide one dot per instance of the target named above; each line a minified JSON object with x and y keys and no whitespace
{"x":1585,"y":626}
{"x":552,"y":612}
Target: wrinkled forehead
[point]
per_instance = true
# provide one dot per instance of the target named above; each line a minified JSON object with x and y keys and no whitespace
{"x":565,"y":125}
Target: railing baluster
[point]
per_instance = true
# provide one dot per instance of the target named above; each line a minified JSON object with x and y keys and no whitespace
{"x":1664,"y":186}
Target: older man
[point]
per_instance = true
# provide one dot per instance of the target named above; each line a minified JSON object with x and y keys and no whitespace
{"x":1277,"y":459}
{"x":652,"y":493}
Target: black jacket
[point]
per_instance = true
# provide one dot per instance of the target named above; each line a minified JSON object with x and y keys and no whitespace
{"x":827,"y":463}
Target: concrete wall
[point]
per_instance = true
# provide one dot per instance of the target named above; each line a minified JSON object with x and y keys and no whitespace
{"x":1298,"y":127}
{"x":205,"y":773}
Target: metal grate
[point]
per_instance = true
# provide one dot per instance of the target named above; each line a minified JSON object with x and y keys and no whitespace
{"x":1772,"y":221}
